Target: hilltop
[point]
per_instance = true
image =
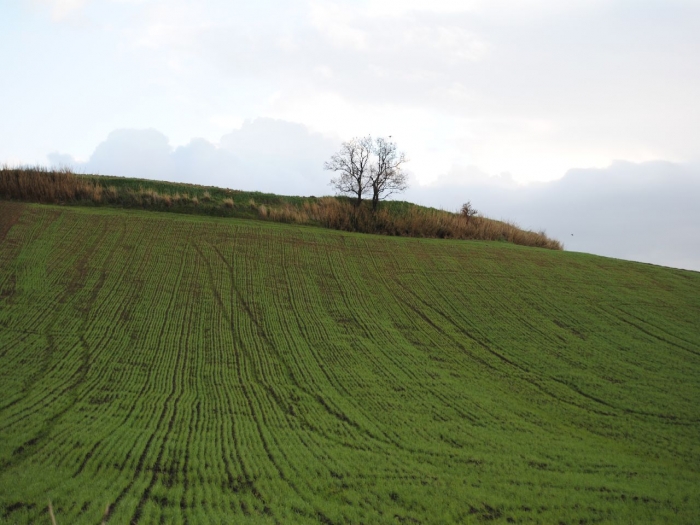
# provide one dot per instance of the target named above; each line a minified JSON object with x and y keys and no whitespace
{"x":193,"y":369}
{"x":396,"y":218}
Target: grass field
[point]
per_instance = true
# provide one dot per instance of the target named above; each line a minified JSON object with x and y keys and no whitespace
{"x":188,"y":369}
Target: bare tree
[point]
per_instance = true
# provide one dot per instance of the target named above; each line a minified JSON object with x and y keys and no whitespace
{"x":468,"y":211}
{"x":352,"y":166}
{"x":385,"y":175}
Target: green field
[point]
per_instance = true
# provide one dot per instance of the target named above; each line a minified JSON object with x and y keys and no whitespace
{"x":189,"y":369}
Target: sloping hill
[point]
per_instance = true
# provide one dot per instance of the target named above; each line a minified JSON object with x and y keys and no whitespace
{"x":396,"y":218}
{"x":200,"y":370}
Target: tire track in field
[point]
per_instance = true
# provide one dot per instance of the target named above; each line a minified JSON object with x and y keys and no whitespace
{"x":249,"y":393}
{"x":399,"y":366}
{"x":337,"y":385}
{"x":178,"y":376}
{"x":354,"y":303}
{"x":147,"y":383}
{"x":437,"y":337}
{"x":248,"y":480}
{"x":526,"y":372}
{"x":275,"y":296}
{"x":76,"y":284}
{"x":166,"y":404}
{"x":439,"y":330}
{"x":620,"y":317}
{"x":660,"y":329}
{"x":30,"y":446}
{"x":362,"y":301}
{"x":333,"y":382}
{"x":460,"y":329}
{"x":244,"y":481}
{"x":100,"y":344}
{"x":180,"y":367}
{"x":520,"y":318}
{"x":396,"y":361}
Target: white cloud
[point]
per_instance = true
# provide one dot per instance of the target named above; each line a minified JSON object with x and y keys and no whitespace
{"x":399,"y":7}
{"x":62,"y":9}
{"x":336,"y":23}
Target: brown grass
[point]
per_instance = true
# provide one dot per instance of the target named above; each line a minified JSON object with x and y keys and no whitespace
{"x":41,"y":185}
{"x":421,"y":222}
{"x":416,"y":222}
{"x":51,"y":514}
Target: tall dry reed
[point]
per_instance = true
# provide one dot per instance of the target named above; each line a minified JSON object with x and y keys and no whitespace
{"x":39,"y":184}
{"x":421,"y":222}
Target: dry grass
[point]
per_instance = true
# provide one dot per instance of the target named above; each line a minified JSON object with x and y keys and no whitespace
{"x":37,"y":184}
{"x":51,"y":514}
{"x":41,"y":185}
{"x":421,"y":222}
{"x":415,"y":222}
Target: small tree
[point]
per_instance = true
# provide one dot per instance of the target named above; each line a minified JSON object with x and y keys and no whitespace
{"x":468,"y":211}
{"x":385,"y":175}
{"x":352,"y":166}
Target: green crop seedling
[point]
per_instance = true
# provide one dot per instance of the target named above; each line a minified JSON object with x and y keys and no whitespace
{"x":192,"y":369}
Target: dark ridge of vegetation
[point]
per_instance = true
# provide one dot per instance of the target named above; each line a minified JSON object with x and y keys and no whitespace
{"x":188,"y":369}
{"x":397,"y":218}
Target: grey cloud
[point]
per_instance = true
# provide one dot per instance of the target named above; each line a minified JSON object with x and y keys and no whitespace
{"x":613,"y":78}
{"x":569,"y":61}
{"x":144,"y":153}
{"x":645,"y":212}
{"x":281,"y":157}
{"x":58,"y":160}
{"x":264,"y":155}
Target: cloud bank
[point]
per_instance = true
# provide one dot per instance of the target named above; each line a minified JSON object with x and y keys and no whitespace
{"x":263,"y":155}
{"x":644,"y":212}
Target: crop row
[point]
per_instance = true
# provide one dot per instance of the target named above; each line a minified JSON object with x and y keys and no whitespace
{"x":198,"y":370}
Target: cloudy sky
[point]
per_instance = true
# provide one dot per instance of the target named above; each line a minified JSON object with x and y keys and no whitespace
{"x":580,"y":117}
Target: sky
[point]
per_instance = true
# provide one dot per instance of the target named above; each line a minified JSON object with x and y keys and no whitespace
{"x":580,"y":118}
